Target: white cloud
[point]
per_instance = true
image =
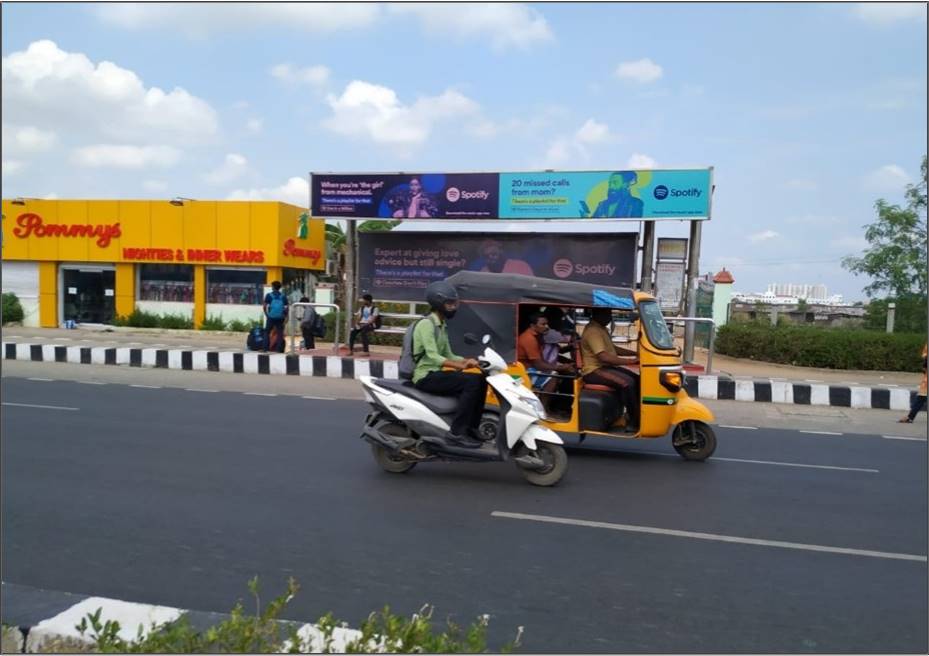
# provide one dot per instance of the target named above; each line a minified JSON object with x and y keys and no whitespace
{"x":12,"y":166}
{"x":155,"y":186}
{"x":201,"y":19}
{"x":801,"y":184}
{"x":375,"y":111}
{"x":506,"y":25}
{"x":851,"y":243}
{"x":255,"y":125}
{"x":125,"y":157}
{"x":232,"y":168}
{"x":313,"y":75}
{"x":640,"y":161}
{"x":890,"y":178}
{"x":51,"y":196}
{"x":46,"y":87}
{"x":27,"y":139}
{"x":888,"y":13}
{"x":592,"y":132}
{"x":641,"y":71}
{"x":763,"y":236}
{"x":295,"y":191}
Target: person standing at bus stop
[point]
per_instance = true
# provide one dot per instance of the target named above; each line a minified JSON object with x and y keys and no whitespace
{"x":275,"y":310}
{"x":919,"y":401}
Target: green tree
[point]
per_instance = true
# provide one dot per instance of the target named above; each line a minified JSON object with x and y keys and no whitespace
{"x":896,"y":258}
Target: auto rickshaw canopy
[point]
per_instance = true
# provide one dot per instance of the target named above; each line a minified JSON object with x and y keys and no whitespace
{"x":489,"y":305}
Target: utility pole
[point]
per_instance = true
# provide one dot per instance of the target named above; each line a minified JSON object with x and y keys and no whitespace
{"x":693,"y":272}
{"x":891,"y":311}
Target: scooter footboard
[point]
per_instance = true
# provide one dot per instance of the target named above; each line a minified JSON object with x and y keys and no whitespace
{"x":539,"y":433}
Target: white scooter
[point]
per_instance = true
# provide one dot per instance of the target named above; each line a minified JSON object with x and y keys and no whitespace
{"x":407,"y":426}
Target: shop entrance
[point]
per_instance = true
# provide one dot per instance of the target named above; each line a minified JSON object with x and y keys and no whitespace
{"x":89,"y":295}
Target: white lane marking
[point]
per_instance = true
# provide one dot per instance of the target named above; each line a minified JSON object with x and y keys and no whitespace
{"x":810,"y":380}
{"x":712,"y":536}
{"x":15,"y":337}
{"x":899,"y":437}
{"x":43,"y":380}
{"x":812,"y":432}
{"x":739,"y":427}
{"x":258,"y":394}
{"x":90,"y":382}
{"x":43,"y":407}
{"x":134,"y":344}
{"x":192,"y":389}
{"x":61,"y":339}
{"x":849,"y":382}
{"x":147,"y":386}
{"x":887,"y":385}
{"x":320,"y":398}
{"x":768,"y":462}
{"x":772,"y":378}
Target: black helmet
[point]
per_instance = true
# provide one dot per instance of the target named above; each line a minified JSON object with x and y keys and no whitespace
{"x":439,"y":293}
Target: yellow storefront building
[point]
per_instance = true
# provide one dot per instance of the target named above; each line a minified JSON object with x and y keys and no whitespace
{"x":91,"y":260}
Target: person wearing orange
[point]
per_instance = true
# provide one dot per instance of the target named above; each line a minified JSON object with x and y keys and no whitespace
{"x":529,"y":353}
{"x":919,"y":401}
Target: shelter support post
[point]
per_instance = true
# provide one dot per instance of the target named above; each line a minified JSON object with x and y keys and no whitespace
{"x":648,"y":255}
{"x":350,"y":275}
{"x":693,"y":272}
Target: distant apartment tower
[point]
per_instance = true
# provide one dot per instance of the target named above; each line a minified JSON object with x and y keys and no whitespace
{"x":808,"y":292}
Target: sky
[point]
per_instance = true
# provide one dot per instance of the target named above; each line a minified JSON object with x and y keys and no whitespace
{"x":808,"y":113}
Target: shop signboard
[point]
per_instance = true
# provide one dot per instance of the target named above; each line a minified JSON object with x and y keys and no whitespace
{"x":399,"y":265}
{"x":672,"y":249}
{"x":620,"y":194}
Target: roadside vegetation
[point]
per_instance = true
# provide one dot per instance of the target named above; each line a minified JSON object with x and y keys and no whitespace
{"x":12,"y":309}
{"x":265,"y":632}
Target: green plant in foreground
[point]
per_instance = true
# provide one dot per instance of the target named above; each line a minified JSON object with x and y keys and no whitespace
{"x":12,"y":309}
{"x":213,"y":322}
{"x":265,"y":632}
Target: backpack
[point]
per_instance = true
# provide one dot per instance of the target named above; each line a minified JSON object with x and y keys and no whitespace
{"x":277,"y":305}
{"x":319,"y":325}
{"x":378,"y":322}
{"x":407,"y":362}
{"x":256,"y":339}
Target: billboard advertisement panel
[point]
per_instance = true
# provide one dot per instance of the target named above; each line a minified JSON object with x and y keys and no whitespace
{"x":639,"y":194}
{"x":630,"y":194}
{"x":406,"y":196}
{"x":398,"y":265}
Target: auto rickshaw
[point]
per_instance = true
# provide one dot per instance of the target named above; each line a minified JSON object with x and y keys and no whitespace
{"x":498,"y":305}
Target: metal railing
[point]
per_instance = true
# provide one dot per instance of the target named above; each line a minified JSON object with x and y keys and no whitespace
{"x":292,"y":323}
{"x":698,"y":320}
{"x":399,"y":330}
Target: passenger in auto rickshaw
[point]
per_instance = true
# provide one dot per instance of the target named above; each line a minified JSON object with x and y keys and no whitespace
{"x":601,"y":363}
{"x":529,"y":351}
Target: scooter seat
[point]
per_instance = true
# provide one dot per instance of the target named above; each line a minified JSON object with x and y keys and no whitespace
{"x":442,"y":405}
{"x":598,"y":388}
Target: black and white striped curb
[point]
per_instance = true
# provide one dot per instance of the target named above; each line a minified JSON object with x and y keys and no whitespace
{"x":332,"y":366}
{"x":41,"y":619}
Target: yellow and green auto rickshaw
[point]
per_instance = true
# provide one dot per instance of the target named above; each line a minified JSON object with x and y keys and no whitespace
{"x":499,"y":305}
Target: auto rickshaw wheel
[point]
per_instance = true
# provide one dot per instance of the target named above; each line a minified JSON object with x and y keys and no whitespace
{"x":555,"y":464}
{"x":694,"y":440}
{"x":392,"y":462}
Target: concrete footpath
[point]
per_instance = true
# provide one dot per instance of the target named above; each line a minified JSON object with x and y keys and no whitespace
{"x":731,"y":378}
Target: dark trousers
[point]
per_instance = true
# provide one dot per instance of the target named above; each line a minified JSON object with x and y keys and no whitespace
{"x":309,"y":339}
{"x":917,"y":404}
{"x":624,"y":383}
{"x":274,"y":329}
{"x":470,"y":389}
{"x":365,"y":332}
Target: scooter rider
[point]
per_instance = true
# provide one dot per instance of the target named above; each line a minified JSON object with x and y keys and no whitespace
{"x":432,"y":352}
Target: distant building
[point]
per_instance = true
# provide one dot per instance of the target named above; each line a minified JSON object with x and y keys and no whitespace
{"x":808,"y":292}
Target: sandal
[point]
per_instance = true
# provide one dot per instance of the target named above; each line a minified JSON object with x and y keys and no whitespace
{"x":905,"y":420}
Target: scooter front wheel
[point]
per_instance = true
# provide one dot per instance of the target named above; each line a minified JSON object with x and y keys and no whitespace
{"x":554,"y":464}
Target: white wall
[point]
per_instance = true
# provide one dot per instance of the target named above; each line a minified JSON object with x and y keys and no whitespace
{"x":22,"y":279}
{"x":229,"y":313}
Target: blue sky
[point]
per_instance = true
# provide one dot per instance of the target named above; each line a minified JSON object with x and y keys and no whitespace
{"x":808,"y":112}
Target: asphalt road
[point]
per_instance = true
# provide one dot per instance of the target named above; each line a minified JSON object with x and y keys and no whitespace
{"x":178,"y":497}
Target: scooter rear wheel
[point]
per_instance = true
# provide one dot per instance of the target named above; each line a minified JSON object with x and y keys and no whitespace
{"x":391,"y":462}
{"x":556,"y":464}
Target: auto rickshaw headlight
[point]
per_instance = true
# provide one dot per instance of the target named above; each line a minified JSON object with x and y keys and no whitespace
{"x":672,"y":380}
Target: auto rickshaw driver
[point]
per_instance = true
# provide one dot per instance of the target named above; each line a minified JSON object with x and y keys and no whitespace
{"x":601,"y":364}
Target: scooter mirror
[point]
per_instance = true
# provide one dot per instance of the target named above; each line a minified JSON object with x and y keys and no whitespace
{"x":486,"y":339}
{"x":470,"y":339}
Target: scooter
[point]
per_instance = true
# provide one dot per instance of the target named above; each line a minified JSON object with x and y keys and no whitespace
{"x":407,"y":426}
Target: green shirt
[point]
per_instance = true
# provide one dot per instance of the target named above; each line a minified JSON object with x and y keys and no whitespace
{"x":431,"y":347}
